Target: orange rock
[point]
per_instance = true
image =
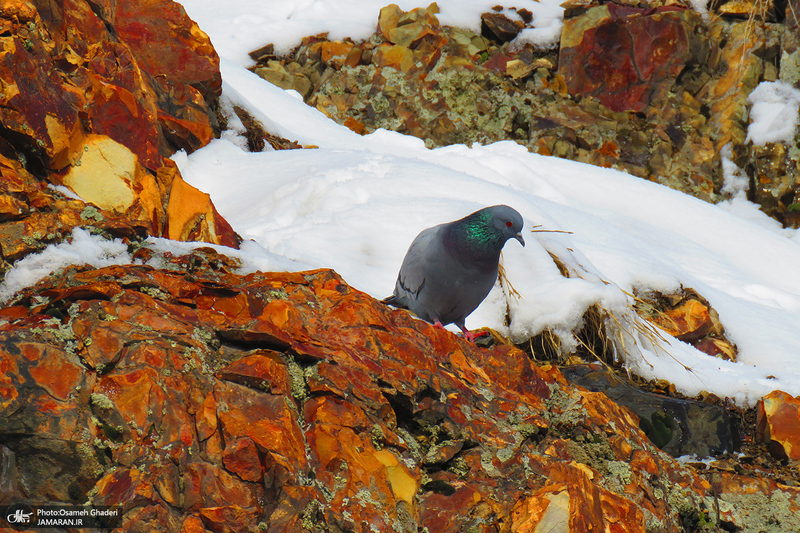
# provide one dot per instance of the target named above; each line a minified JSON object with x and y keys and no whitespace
{"x":355,"y":126}
{"x":690,"y":319}
{"x":228,"y":519}
{"x":546,"y":508}
{"x":388,"y":19}
{"x":398,"y":57}
{"x":205,"y":485}
{"x":263,"y":370}
{"x":56,"y":373}
{"x":740,"y":495}
{"x":191,"y":216}
{"x":264,"y":418}
{"x":125,"y":486}
{"x":778,"y":424}
{"x":138,"y":394}
{"x":334,"y":53}
{"x":241,"y":457}
{"x":192,"y":524}
{"x":96,"y":97}
{"x":233,"y":401}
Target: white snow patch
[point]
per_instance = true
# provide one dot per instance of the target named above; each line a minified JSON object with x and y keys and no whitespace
{"x":774,"y":115}
{"x":83,"y":249}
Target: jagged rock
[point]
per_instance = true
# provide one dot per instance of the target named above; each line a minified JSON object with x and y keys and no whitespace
{"x":689,"y":317}
{"x":96,"y":97}
{"x":763,"y":9}
{"x":779,"y":424}
{"x":776,"y":172}
{"x":223,"y":402}
{"x":217,"y":399}
{"x":499,"y":27}
{"x":681,"y":97}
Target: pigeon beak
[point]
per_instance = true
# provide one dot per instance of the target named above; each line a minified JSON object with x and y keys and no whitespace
{"x":518,"y":236}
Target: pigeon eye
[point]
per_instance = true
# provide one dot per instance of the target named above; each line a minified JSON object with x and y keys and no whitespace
{"x":509,"y":224}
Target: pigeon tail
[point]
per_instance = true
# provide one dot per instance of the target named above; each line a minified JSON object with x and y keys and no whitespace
{"x":394,"y":302}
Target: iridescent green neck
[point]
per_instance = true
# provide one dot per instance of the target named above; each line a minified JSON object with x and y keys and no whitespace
{"x":476,"y":236}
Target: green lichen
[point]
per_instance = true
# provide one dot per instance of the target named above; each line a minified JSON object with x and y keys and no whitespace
{"x":101,"y":400}
{"x":155,"y":292}
{"x":276,"y":294}
{"x":378,"y":436}
{"x":298,"y":381}
{"x":90,"y":212}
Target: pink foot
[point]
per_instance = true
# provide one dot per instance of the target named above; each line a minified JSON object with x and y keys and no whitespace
{"x":471,"y":336}
{"x":467,"y":333}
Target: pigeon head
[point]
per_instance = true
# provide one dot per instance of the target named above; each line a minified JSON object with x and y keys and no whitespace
{"x":507,"y":222}
{"x":487,"y":230}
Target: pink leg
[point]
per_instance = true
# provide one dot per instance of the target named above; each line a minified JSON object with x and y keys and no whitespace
{"x":467,"y":333}
{"x":471,"y":336}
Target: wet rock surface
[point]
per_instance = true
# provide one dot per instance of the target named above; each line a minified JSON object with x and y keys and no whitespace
{"x":677,"y":426}
{"x":654,"y":90}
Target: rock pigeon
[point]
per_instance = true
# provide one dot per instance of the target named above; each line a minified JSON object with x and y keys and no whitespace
{"x":450,"y":268}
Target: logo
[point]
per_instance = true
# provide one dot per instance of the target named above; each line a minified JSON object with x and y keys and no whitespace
{"x":19,"y":516}
{"x":22,"y":516}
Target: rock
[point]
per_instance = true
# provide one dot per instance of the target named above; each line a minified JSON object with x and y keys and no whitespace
{"x":498,"y":27}
{"x":398,"y":57}
{"x":689,"y":317}
{"x":744,"y":499}
{"x":518,"y":69}
{"x":107,"y":174}
{"x":627,"y":57}
{"x":776,"y":175}
{"x":215,"y":399}
{"x":192,"y":217}
{"x":764,"y":10}
{"x":277,"y":74}
{"x":679,"y":427}
{"x":97,"y":97}
{"x":664,"y":109}
{"x":779,"y":425}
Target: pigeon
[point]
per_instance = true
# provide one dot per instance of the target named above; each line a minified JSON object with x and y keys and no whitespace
{"x":450,"y":268}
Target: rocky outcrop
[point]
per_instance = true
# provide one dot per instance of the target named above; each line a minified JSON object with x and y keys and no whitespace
{"x":201,"y":400}
{"x":95,"y":97}
{"x":655,"y":90}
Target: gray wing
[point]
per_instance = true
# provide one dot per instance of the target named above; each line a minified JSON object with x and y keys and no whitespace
{"x":416,"y":268}
{"x":434,"y":286}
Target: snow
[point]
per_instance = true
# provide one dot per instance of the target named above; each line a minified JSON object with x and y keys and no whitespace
{"x":240,"y":26}
{"x":84,"y":248}
{"x":774,"y":115}
{"x":355,"y":203}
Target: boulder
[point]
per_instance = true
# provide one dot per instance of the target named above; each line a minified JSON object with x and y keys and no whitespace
{"x":291,"y":401}
{"x":96,"y":97}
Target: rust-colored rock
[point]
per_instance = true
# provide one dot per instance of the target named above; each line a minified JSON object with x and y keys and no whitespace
{"x":191,"y":216}
{"x":216,"y":401}
{"x":779,"y":424}
{"x":96,"y":97}
{"x":688,"y":320}
{"x":626,"y":57}
{"x":689,"y":317}
{"x":397,"y":57}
